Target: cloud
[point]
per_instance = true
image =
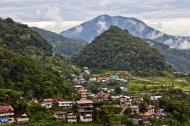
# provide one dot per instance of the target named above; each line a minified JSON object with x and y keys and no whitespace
{"x":154,"y":35}
{"x":79,"y":29}
{"x":83,"y":10}
{"x":53,"y":13}
{"x":131,"y":21}
{"x":150,"y":43}
{"x":170,"y":43}
{"x":104,"y":3}
{"x":141,"y":27}
{"x":185,"y":45}
{"x":56,"y":26}
{"x":180,"y":43}
{"x":179,"y":26}
{"x":102,"y":26}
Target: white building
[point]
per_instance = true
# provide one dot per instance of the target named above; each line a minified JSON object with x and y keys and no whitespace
{"x":134,"y":109}
{"x":85,"y":110}
{"x":155,"y":98}
{"x":6,"y":114}
{"x":71,"y":117}
{"x":48,"y":103}
{"x":65,"y":104}
{"x":60,"y":116}
{"x":23,"y":118}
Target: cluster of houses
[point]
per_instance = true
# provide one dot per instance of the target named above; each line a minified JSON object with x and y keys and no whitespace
{"x":82,"y":110}
{"x":81,"y":91}
{"x":145,"y":117}
{"x":102,"y":95}
{"x":85,"y":76}
{"x":131,"y":102}
{"x":108,"y":79}
{"x":82,"y":78}
{"x":66,"y":112}
{"x":142,"y":118}
{"x":7,"y":115}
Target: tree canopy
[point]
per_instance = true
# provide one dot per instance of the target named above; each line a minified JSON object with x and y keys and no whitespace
{"x":116,"y":49}
{"x":28,"y":64}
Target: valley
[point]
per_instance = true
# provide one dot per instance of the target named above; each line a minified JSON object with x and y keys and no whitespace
{"x":117,"y":79}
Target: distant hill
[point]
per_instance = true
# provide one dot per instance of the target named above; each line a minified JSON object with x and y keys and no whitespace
{"x":178,"y":59}
{"x":62,"y":45}
{"x":21,"y":38}
{"x":116,"y":49}
{"x":92,"y":28}
{"x":175,"y":49}
{"x":28,"y":65}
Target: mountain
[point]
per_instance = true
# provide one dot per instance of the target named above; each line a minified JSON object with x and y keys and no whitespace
{"x":62,"y":45}
{"x":28,"y":64}
{"x":116,"y":49}
{"x":178,"y":59}
{"x":90,"y":29}
{"x":19,"y":37}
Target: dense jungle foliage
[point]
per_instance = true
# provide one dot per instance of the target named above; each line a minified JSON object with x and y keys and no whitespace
{"x":116,"y":49}
{"x":28,"y":64}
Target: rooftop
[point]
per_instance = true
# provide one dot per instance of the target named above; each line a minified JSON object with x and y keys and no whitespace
{"x":134,"y":106}
{"x":84,"y":101}
{"x":53,"y":100}
{"x":150,"y":107}
{"x":147,"y":114}
{"x":6,"y":108}
{"x":102,"y":78}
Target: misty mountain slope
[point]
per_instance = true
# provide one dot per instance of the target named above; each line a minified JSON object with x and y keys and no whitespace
{"x":178,"y":59}
{"x":62,"y":45}
{"x":116,"y":49}
{"x":90,"y":29}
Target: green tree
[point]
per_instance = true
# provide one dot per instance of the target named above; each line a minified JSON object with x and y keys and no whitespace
{"x":143,"y":107}
{"x":118,"y":90}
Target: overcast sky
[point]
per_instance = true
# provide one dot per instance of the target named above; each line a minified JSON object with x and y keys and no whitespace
{"x":170,"y":16}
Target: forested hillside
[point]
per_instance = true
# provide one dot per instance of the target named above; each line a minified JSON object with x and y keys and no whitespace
{"x":19,"y":37}
{"x":116,"y":49}
{"x":94,"y":27}
{"x":178,"y":59}
{"x":62,"y":45}
{"x":27,"y":64}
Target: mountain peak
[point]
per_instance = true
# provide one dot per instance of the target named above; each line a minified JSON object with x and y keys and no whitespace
{"x":92,"y":28}
{"x":116,"y":49}
{"x":114,"y":28}
{"x":103,"y":15}
{"x":117,"y":28}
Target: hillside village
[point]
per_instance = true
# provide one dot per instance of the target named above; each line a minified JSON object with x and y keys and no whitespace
{"x":139,"y":107}
{"x":125,"y":82}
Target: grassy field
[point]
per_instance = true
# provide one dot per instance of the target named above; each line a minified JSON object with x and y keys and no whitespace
{"x":147,"y":83}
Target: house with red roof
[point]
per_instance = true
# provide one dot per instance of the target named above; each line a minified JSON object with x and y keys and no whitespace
{"x":6,"y":114}
{"x":49,"y":102}
{"x":144,"y":118}
{"x":85,"y":109}
{"x":102,"y":79}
